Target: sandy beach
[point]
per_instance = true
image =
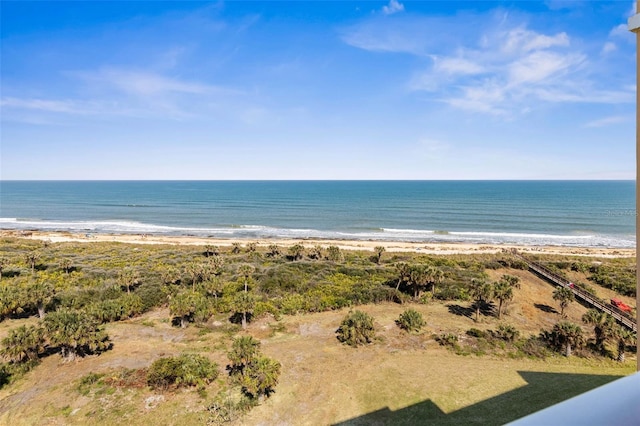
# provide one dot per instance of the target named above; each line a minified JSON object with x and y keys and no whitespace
{"x":390,"y":246}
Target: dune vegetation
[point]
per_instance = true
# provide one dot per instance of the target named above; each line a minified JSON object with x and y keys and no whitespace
{"x":109,"y":332}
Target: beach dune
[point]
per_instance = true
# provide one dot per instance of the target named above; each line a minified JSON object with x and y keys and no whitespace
{"x":390,"y":246}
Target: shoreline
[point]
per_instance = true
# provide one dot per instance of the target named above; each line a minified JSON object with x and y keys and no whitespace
{"x":364,"y":245}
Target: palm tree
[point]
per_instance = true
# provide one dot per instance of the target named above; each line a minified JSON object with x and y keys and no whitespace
{"x":503,"y":291}
{"x":65,"y":265}
{"x":513,"y":281}
{"x":23,"y":343}
{"x":403,"y":273}
{"x":625,"y":337}
{"x":566,"y":334}
{"x":169,"y":275}
{"x":243,"y":303}
{"x":379,"y":250}
{"x":334,"y":254}
{"x":244,"y":351}
{"x":213,"y":266}
{"x":183,"y":306}
{"x":316,"y":252}
{"x":436,"y":277}
{"x":261,"y":377}
{"x":273,"y":250}
{"x":12,"y":298}
{"x":197,"y":272}
{"x":75,"y":333}
{"x":3,"y":262}
{"x":40,"y":293}
{"x":603,"y":326}
{"x":128,"y":279}
{"x":211,"y":250}
{"x":32,"y":259}
{"x":245,"y":271}
{"x":419,"y":278}
{"x":481,"y":292}
{"x":296,"y":251}
{"x":565,"y":296}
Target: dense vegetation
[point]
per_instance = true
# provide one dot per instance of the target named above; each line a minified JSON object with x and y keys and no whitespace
{"x":74,"y":289}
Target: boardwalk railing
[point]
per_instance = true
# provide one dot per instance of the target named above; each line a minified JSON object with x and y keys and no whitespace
{"x":619,"y":315}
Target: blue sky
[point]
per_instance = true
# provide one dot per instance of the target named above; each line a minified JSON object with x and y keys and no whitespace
{"x":317,"y":90}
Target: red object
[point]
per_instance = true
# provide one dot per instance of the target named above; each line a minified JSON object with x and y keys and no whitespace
{"x":621,"y":305}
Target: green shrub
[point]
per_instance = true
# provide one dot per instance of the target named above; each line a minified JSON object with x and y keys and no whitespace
{"x":533,"y":347}
{"x":126,"y":306}
{"x":507,"y":332}
{"x":185,"y":370}
{"x":356,"y":329}
{"x":4,"y":375}
{"x":474,"y":332}
{"x":227,"y":408}
{"x":448,"y":339}
{"x":410,"y":320}
{"x":260,"y":377}
{"x":267,"y":307}
{"x":87,"y":382}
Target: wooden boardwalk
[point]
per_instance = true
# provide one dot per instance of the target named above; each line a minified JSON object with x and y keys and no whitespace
{"x":622,"y":317}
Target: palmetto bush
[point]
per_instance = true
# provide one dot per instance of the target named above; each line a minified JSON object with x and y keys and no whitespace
{"x":184,"y":370}
{"x":410,"y":320}
{"x":356,"y":329}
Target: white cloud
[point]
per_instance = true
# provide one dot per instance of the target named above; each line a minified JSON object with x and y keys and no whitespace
{"x":496,"y":64}
{"x":522,"y":40}
{"x":608,"y":121}
{"x":405,"y":34}
{"x":143,"y":83}
{"x":587,"y":95}
{"x":511,"y":68}
{"x":394,"y":6}
{"x":45,"y":105}
{"x":608,"y":48}
{"x":619,"y":30}
{"x":541,"y":65}
{"x":485,"y":98}
{"x":458,"y":65}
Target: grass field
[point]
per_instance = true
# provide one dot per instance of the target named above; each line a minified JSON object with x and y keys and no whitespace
{"x":398,"y":380}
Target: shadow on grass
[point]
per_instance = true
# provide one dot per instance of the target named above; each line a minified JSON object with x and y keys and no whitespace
{"x":461,"y":310}
{"x":486,"y":309}
{"x":546,"y":308}
{"x":542,"y":390}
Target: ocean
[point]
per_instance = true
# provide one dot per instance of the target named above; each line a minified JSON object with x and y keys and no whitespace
{"x":567,"y":213}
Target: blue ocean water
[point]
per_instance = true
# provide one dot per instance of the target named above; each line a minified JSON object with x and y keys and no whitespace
{"x":572,"y":213}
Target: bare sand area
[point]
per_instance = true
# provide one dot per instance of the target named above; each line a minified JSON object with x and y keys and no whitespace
{"x":390,"y":246}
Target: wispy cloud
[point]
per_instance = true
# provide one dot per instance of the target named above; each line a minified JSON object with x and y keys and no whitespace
{"x":394,"y":6}
{"x":521,"y":39}
{"x":608,"y":48}
{"x":124,"y":93}
{"x":405,"y":34}
{"x":457,"y":65}
{"x":143,"y":83}
{"x":502,"y":70}
{"x":45,"y":105}
{"x":609,"y":121}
